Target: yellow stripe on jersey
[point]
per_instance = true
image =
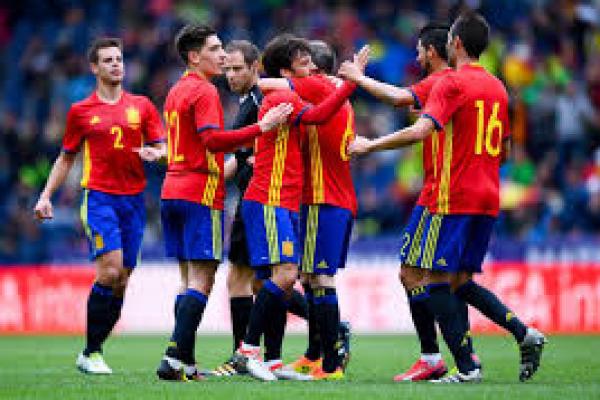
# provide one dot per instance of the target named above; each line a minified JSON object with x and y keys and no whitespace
{"x":83,"y":213}
{"x":215,"y":216}
{"x":272,"y":236}
{"x":444,"y":189}
{"x":281,"y":142}
{"x":431,"y":242}
{"x":316,"y":165}
{"x":435,"y":148}
{"x":87,"y":164}
{"x":212,"y":182}
{"x":310,"y":240}
{"x":415,"y":246}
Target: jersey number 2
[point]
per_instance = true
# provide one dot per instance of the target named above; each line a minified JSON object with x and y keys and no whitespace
{"x":118,"y":132}
{"x":493,"y":125}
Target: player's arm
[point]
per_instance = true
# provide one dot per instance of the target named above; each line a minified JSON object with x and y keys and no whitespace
{"x":269,"y":84}
{"x":218,"y":140}
{"x":58,"y":174}
{"x":402,"y":138}
{"x":230,"y":168}
{"x":396,"y":96}
{"x":154,"y":148}
{"x":322,"y":112}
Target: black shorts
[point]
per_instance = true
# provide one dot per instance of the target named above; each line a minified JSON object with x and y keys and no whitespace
{"x":238,"y":251}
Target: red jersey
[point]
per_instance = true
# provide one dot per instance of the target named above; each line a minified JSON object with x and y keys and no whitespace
{"x":193,"y":173}
{"x":472,"y":104}
{"x":431,"y":144}
{"x":108,"y":133}
{"x":327,"y":175}
{"x":277,"y":177}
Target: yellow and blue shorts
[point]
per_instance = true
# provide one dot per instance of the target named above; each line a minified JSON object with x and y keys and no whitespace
{"x":412,"y":235}
{"x":324,"y":237}
{"x":272,"y":236}
{"x":192,"y":231}
{"x":455,"y":243}
{"x":113,"y":222}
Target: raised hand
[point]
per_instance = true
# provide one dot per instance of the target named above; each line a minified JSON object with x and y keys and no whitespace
{"x":350,"y":71}
{"x":275,"y":116}
{"x":361,"y":59}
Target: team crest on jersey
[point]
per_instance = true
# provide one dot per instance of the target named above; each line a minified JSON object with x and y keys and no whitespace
{"x":133,"y":117}
{"x":94,"y":120}
{"x":287,"y":248}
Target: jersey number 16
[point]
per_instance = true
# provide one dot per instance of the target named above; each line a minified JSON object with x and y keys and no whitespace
{"x":488,"y":130}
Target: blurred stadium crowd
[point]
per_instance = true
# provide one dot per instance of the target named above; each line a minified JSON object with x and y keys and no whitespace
{"x":547,"y":51}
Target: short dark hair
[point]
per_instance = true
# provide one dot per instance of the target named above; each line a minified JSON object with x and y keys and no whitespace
{"x":192,"y":37}
{"x":249,"y":51}
{"x":323,"y":56}
{"x":436,"y":35}
{"x":473,"y":31}
{"x":280,"y":52}
{"x":102,"y":43}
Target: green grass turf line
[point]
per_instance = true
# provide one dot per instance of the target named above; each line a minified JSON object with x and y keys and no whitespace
{"x":37,"y":367}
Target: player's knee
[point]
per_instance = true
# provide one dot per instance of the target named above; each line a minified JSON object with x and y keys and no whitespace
{"x":322,"y":281}
{"x":285,"y":275}
{"x":411,"y":277}
{"x":202,"y":278}
{"x":460,"y":279}
{"x":109,"y":276}
{"x":239,"y":281}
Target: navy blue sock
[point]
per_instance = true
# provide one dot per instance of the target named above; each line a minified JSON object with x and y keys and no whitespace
{"x":98,"y":317}
{"x":276,"y":321}
{"x":463,"y":314}
{"x":240,"y":308}
{"x":298,"y":305}
{"x":313,"y":352}
{"x":177,"y":301}
{"x":490,"y":306}
{"x":444,"y":305}
{"x":423,"y":320}
{"x":328,"y":320}
{"x":189,"y":315}
{"x":267,"y":297}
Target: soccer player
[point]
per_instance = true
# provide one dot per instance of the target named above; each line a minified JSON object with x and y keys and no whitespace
{"x":271,"y":203}
{"x":193,"y":190}
{"x":472,"y":105}
{"x":117,"y":130}
{"x":241,"y":71}
{"x":328,"y":209}
{"x":432,"y":57}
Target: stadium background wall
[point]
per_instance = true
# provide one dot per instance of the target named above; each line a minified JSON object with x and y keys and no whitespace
{"x":556,"y":298}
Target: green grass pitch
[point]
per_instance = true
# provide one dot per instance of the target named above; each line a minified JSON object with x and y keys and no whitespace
{"x":43,"y":368}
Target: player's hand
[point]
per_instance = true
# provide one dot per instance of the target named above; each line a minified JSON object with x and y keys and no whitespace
{"x":275,"y":116}
{"x":361,"y":59}
{"x":43,"y":209}
{"x":350,"y":71}
{"x":359,"y":146}
{"x":250,"y":161}
{"x":149,"y":153}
